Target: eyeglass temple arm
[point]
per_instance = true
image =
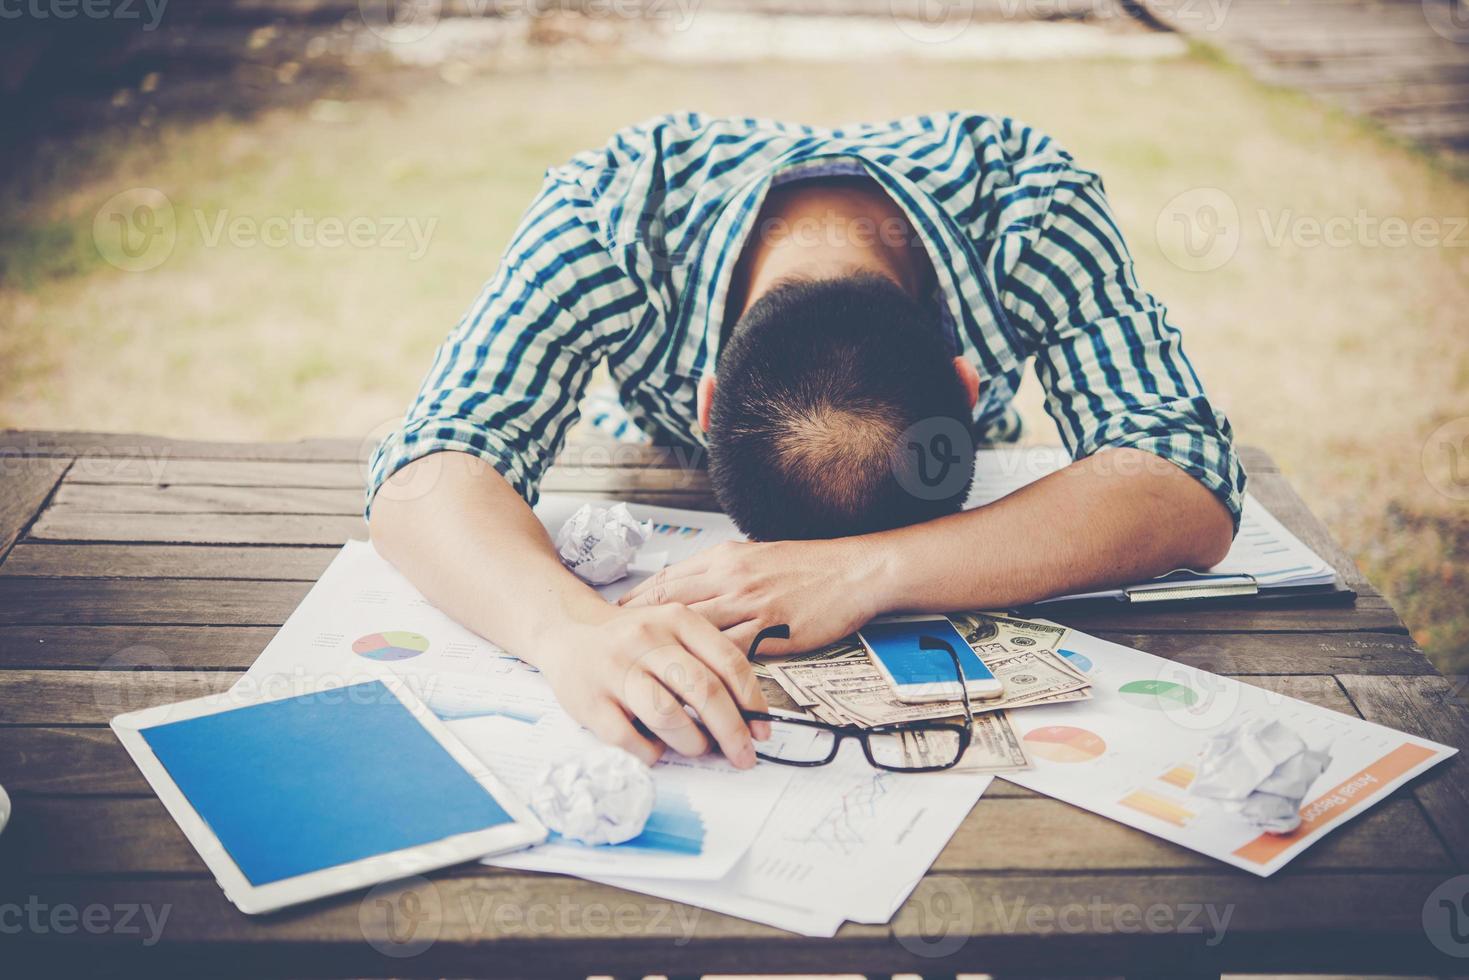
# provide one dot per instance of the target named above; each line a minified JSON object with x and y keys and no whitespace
{"x":780,"y":632}
{"x":934,"y":643}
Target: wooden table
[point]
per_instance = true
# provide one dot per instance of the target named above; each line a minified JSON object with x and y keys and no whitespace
{"x":139,"y":570}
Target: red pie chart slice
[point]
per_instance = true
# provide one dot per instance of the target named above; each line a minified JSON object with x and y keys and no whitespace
{"x":1062,"y":743}
{"x":390,"y":645}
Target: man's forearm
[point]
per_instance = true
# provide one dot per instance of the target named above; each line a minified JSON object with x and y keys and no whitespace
{"x":461,"y":533}
{"x":1118,"y":517}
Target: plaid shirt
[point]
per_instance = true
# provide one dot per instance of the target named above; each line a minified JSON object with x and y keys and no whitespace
{"x":625,"y":258}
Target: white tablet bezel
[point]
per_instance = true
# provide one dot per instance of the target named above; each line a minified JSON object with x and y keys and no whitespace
{"x":524,"y":830}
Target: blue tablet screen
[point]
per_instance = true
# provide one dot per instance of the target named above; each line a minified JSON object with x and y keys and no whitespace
{"x":315,"y":781}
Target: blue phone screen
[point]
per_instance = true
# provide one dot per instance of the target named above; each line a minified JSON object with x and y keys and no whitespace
{"x":896,"y":645}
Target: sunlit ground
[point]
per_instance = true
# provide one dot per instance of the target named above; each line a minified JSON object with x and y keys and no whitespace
{"x":1341,"y":357}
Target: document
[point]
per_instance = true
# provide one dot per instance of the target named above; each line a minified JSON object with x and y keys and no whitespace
{"x":845,"y":842}
{"x":1130,"y":753}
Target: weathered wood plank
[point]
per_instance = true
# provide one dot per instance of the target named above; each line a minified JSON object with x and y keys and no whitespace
{"x":1433,"y":707}
{"x":74,"y":697}
{"x":66,"y":524}
{"x":63,"y":560}
{"x":111,"y":471}
{"x":40,"y":601}
{"x":24,"y":486}
{"x":94,"y":647}
{"x":110,"y":835}
{"x":497,"y":924}
{"x":37,"y":442}
{"x":183,"y":499}
{"x":1284,"y":653}
{"x":103,"y":602}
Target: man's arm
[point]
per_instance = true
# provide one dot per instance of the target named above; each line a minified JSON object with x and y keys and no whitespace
{"x":449,"y":494}
{"x":1118,"y":517}
{"x":462,"y":534}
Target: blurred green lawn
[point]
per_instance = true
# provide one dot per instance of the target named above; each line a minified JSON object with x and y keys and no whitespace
{"x":1340,"y":358}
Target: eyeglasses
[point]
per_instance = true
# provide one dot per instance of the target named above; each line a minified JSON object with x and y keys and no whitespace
{"x":911,"y":746}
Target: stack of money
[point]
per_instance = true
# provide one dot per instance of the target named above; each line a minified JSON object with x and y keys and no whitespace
{"x":840,"y":685}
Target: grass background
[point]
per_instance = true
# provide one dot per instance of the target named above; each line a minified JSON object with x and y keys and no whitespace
{"x":1341,"y":359}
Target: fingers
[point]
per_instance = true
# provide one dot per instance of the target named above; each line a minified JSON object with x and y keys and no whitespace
{"x":611,"y":724}
{"x":692,"y":681}
{"x":723,"y":611}
{"x":733,"y":670}
{"x":661,"y":710}
{"x":672,"y":583}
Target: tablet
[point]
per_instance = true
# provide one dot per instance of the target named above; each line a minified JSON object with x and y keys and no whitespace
{"x":295,"y":798}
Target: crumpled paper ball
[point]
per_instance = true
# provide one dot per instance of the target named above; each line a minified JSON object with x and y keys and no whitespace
{"x":1261,"y":768}
{"x":599,"y":543}
{"x":602,"y":796}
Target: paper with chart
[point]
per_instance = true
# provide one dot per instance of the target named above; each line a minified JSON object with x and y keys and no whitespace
{"x":363,"y":611}
{"x":1264,"y":550}
{"x":845,"y":842}
{"x":1129,"y":753}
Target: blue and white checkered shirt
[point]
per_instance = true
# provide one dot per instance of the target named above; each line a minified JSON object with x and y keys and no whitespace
{"x":625,"y":257}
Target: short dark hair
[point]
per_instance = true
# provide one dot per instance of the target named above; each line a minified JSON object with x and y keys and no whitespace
{"x":821,"y":389}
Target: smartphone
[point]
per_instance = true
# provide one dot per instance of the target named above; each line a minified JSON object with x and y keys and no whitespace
{"x":918,"y":675}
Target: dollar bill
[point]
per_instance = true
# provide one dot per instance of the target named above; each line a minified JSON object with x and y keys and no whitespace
{"x":993,"y":747}
{"x":1032,"y":678}
{"x":1012,"y":633}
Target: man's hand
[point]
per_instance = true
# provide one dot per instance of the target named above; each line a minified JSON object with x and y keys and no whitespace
{"x":648,"y":666}
{"x":822,"y":589}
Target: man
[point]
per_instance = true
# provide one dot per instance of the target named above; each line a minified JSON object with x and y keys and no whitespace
{"x":840,"y":316}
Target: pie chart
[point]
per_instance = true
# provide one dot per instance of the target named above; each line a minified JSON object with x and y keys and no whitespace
{"x":1080,"y":661}
{"x":1062,"y":743}
{"x":1158,"y":695}
{"x":390,"y":645}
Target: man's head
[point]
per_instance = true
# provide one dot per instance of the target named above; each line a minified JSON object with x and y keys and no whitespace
{"x":839,"y":410}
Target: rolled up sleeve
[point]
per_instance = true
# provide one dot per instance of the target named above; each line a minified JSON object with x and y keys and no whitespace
{"x":1112,"y":365}
{"x":506,"y":383}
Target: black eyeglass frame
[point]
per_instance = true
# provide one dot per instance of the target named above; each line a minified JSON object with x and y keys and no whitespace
{"x":840,"y":732}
